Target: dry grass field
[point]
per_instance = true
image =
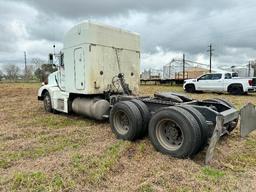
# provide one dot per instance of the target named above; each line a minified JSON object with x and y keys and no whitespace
{"x":57,"y":152}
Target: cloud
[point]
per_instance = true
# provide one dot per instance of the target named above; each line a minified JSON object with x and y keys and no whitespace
{"x":82,"y":8}
{"x":167,"y":28}
{"x":48,"y":28}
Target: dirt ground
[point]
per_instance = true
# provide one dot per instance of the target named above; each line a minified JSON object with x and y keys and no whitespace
{"x":57,"y":152}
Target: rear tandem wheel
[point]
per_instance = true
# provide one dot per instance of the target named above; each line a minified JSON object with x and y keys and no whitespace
{"x":145,"y":114}
{"x":174,"y":131}
{"x":126,"y":120}
{"x":205,"y":132}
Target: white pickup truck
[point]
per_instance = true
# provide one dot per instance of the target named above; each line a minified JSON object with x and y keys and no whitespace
{"x":220,"y":82}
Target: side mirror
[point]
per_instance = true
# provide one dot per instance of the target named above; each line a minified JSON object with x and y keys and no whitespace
{"x":50,"y":58}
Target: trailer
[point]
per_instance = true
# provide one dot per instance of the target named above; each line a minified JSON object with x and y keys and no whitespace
{"x":98,"y":76}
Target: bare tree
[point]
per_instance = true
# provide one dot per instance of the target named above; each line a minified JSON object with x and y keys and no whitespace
{"x":12,"y":71}
{"x":1,"y":75}
{"x":29,"y":72}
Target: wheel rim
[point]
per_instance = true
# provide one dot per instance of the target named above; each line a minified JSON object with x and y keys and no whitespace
{"x":121,"y":122}
{"x":169,"y":134}
{"x":47,"y":103}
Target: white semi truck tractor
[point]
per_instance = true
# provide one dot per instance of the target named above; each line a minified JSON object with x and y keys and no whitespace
{"x":98,"y":76}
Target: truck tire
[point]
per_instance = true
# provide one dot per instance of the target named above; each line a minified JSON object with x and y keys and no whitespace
{"x":175,"y":132}
{"x":232,"y":125}
{"x":126,"y":120}
{"x":47,"y":103}
{"x":205,"y":132}
{"x":236,"y":89}
{"x":145,"y":114}
{"x":190,"y":88}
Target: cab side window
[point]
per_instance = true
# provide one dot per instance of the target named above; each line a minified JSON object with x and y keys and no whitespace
{"x":216,"y":76}
{"x":205,"y":77}
{"x":228,"y":76}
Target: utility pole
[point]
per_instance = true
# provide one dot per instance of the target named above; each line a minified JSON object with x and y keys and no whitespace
{"x":210,"y":51}
{"x":183,"y":62}
{"x":25,"y":62}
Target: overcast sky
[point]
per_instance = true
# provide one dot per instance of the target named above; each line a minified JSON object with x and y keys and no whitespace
{"x":167,"y":28}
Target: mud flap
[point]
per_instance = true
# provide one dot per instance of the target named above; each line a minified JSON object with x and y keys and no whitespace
{"x":247,"y":125}
{"x":215,"y":138}
{"x":248,"y":119}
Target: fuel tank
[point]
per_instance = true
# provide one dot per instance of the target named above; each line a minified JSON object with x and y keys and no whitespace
{"x":91,"y":107}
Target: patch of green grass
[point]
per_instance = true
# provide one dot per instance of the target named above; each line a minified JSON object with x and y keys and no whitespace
{"x":210,"y":173}
{"x":142,"y":147}
{"x":184,"y":189}
{"x":146,"y":188}
{"x":243,"y":159}
{"x":33,"y":181}
{"x":53,"y":121}
{"x":107,"y":160}
{"x":240,"y":162}
{"x":96,"y":167}
{"x":4,"y":163}
{"x":46,"y":146}
{"x":39,"y":181}
{"x":250,"y":142}
{"x":59,"y":183}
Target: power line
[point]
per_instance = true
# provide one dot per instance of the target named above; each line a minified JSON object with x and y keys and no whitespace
{"x":197,"y":62}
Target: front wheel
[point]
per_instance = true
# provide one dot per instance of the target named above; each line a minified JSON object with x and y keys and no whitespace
{"x":190,"y":88}
{"x":47,"y":103}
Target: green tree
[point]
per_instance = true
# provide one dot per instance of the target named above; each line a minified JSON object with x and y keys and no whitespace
{"x":42,"y":69}
{"x":45,"y":69}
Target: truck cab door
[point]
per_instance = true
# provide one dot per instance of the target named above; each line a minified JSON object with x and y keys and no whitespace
{"x":202,"y":83}
{"x":79,"y":68}
{"x":226,"y":80}
{"x":216,"y":82}
{"x":62,"y":71}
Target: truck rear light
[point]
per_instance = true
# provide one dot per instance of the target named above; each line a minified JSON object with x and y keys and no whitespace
{"x":250,"y":82}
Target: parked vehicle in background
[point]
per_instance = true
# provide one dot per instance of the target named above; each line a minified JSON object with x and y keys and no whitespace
{"x":221,"y":82}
